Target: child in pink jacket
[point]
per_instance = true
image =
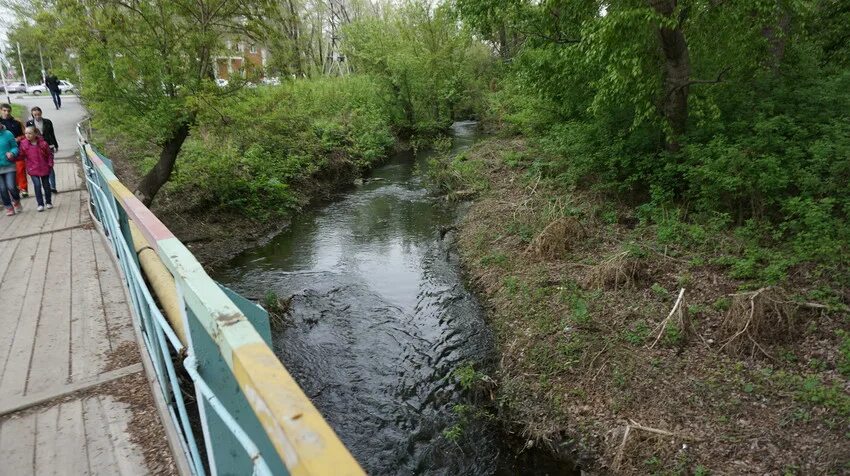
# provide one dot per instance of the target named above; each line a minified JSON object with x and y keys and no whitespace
{"x":39,"y":161}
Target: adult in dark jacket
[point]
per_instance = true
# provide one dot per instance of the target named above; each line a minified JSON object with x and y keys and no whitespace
{"x":52,"y":84}
{"x":45,"y":127}
{"x":16,"y":127}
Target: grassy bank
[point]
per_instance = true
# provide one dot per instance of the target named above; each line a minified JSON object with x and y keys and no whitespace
{"x":259,"y":156}
{"x":635,"y":343}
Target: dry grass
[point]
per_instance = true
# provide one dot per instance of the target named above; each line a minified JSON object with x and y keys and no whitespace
{"x":757,"y":320}
{"x":557,"y":239}
{"x":622,"y":270}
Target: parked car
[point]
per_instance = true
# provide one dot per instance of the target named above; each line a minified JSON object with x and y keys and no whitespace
{"x":14,"y":87}
{"x":64,"y":87}
{"x":222,"y":83}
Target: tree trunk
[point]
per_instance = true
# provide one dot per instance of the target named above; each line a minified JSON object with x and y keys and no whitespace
{"x":677,"y":74}
{"x":295,"y":38}
{"x":161,"y":172}
{"x":777,"y":38}
{"x":504,"y":49}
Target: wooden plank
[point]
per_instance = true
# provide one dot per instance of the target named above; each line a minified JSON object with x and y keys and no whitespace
{"x":89,"y":330}
{"x":33,"y":399}
{"x":51,"y":360}
{"x":17,"y":440}
{"x":66,"y":177}
{"x":70,"y":207}
{"x":14,"y":288}
{"x":7,"y":250}
{"x":16,"y":366}
{"x":115,"y":305}
{"x":71,"y":456}
{"x":54,"y":218}
{"x":129,"y":457}
{"x":45,"y":441}
{"x":101,"y":451}
{"x":15,"y":225}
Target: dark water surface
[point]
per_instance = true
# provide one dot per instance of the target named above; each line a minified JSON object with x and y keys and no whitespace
{"x":380,"y":321}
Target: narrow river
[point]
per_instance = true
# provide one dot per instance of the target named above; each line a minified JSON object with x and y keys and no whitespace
{"x":381,"y":319}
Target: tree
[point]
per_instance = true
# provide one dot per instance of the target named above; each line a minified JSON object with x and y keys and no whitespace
{"x":147,"y":67}
{"x":429,"y":62}
{"x":640,"y":58}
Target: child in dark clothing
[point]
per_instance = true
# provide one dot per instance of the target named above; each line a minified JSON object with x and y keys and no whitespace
{"x":39,"y":162}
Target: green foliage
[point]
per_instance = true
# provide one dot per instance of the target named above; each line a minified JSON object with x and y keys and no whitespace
{"x":637,"y":334}
{"x":722,"y":304}
{"x":765,"y":150}
{"x":814,"y":391}
{"x":435,"y":70}
{"x":453,"y":433}
{"x":457,"y":174}
{"x":271,"y":300}
{"x":701,"y":470}
{"x":672,"y":334}
{"x":278,"y":138}
{"x":467,"y":376}
{"x":660,"y":291}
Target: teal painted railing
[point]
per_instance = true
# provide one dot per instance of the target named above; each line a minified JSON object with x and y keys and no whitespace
{"x":253,"y":417}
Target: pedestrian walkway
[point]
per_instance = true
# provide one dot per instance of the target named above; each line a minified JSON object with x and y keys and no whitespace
{"x":74,"y":398}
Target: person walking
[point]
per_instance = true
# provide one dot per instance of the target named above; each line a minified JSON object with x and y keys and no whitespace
{"x":8,"y":155}
{"x":52,"y":84}
{"x":17,"y":129}
{"x":38,"y":157}
{"x":45,"y":127}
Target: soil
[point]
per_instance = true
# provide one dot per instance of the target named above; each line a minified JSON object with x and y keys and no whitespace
{"x":606,"y":361}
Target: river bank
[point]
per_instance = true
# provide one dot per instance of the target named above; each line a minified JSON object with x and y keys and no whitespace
{"x":217,"y":236}
{"x":633,"y":357}
{"x":591,"y":368}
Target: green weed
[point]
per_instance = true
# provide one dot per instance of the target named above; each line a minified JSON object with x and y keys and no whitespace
{"x":638,"y":334}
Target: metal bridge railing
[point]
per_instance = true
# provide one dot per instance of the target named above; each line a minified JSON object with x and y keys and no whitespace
{"x":253,"y":416}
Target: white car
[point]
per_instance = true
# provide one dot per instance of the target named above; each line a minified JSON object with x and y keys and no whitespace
{"x":64,"y":87}
{"x":14,"y":87}
{"x":222,"y":83}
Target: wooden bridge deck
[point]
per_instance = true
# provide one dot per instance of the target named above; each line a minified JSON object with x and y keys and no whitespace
{"x":73,"y":394}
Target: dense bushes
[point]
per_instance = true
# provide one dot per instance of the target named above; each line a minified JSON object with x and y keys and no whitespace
{"x":255,"y":152}
{"x":765,"y":156}
{"x":435,"y":70}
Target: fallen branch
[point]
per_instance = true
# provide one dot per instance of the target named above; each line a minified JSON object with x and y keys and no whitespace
{"x":633,"y":425}
{"x":619,"y":457}
{"x":638,"y":426}
{"x":667,"y":319}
